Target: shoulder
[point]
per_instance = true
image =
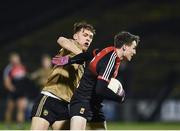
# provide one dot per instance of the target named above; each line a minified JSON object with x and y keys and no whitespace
{"x":106,"y":54}
{"x":7,"y":70}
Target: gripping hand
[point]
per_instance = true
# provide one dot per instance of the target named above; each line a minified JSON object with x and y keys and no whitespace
{"x":60,"y":60}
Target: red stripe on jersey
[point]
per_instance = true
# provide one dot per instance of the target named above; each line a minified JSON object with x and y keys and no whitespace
{"x":100,"y":77}
{"x":118,"y":61}
{"x":99,"y":56}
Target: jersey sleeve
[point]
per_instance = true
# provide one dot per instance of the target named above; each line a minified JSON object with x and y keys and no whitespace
{"x":82,"y":57}
{"x":7,"y":71}
{"x":106,"y":67}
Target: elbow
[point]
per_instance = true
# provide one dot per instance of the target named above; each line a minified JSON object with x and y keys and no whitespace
{"x":98,"y":91}
{"x":61,"y":40}
{"x":101,"y":87}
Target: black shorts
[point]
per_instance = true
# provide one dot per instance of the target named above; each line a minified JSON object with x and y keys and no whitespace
{"x":20,"y":89}
{"x":50,"y":109}
{"x":17,"y":94}
{"x":90,"y":111}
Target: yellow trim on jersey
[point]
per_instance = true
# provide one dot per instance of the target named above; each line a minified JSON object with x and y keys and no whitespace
{"x":40,"y":106}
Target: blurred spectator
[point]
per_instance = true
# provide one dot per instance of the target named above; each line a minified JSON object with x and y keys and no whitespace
{"x":14,"y":78}
{"x":41,"y":74}
{"x":38,"y":79}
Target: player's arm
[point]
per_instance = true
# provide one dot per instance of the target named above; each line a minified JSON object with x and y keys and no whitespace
{"x":8,"y":84}
{"x":35,"y":75}
{"x":68,"y":44}
{"x":7,"y":80}
{"x":107,"y":93}
{"x":78,"y":59}
{"x":82,"y":57}
{"x":107,"y":86}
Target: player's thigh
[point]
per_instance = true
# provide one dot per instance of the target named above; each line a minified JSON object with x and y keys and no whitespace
{"x":51,"y":110}
{"x":42,"y":109}
{"x":21,"y":103}
{"x":79,"y":108}
{"x":61,"y":125}
{"x":78,"y":123}
{"x":39,"y":124}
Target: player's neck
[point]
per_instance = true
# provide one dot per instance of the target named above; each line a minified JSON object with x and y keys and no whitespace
{"x":119,"y":53}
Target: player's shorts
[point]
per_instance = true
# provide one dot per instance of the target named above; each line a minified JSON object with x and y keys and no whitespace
{"x":16,"y":95}
{"x":20,"y":89}
{"x":90,"y":111}
{"x":50,"y":109}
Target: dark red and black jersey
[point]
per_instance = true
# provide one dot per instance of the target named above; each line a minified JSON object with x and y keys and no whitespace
{"x":103,"y":67}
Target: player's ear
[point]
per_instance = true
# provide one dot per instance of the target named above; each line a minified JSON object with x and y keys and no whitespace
{"x":75,"y":36}
{"x":124,"y":47}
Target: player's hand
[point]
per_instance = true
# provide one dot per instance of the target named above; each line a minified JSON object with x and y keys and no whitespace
{"x":60,"y":60}
{"x":121,"y":93}
{"x":116,"y":86}
{"x":11,"y":88}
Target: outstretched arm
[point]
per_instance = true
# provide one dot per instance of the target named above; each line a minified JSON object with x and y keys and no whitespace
{"x":78,"y":59}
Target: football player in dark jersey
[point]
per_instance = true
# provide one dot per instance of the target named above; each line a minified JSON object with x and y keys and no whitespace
{"x":99,"y":80}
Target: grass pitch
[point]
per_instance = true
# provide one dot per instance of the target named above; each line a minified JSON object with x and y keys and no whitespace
{"x":142,"y":126}
{"x":110,"y":126}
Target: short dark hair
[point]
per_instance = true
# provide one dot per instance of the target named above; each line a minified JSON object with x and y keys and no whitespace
{"x":78,"y":26}
{"x":126,"y":38}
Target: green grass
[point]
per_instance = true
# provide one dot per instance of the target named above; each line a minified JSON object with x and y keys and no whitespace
{"x":14,"y":126}
{"x":142,"y":126}
{"x":111,"y":126}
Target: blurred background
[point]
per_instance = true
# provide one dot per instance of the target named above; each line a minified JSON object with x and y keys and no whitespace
{"x":151,"y":79}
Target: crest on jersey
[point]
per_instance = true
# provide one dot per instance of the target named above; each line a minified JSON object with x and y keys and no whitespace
{"x":82,"y":110}
{"x":45,"y":112}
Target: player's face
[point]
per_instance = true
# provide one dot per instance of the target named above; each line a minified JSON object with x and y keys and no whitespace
{"x":129,"y":51}
{"x":15,"y":59}
{"x":84,"y":37}
{"x":46,"y":62}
